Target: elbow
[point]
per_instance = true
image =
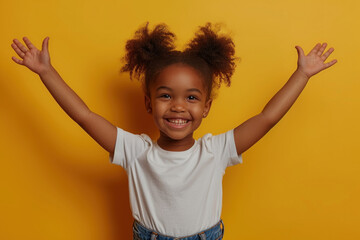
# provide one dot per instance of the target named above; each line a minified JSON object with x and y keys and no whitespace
{"x":269,"y":119}
{"x":83,"y":117}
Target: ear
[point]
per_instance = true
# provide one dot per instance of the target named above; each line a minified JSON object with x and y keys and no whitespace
{"x":207,"y":107}
{"x":148,"y":104}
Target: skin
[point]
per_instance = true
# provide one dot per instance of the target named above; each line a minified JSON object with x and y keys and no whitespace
{"x":175,"y":101}
{"x":252,"y":130}
{"x":179,"y":94}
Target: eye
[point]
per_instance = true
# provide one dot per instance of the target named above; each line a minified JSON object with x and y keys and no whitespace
{"x":192,"y":97}
{"x":165,"y":96}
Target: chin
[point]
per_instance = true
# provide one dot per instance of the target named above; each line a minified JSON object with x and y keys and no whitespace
{"x":177,"y":137}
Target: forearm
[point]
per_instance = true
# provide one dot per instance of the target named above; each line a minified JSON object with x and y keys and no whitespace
{"x":279,"y":104}
{"x":68,"y":100}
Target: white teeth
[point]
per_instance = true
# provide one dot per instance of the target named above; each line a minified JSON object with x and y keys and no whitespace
{"x":178,"y":121}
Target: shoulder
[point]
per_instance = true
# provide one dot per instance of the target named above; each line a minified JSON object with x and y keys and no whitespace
{"x":215,"y":141}
{"x":223,"y":147}
{"x":128,"y":135}
{"x":129,"y":146}
{"x":209,"y":137}
{"x":146,"y":138}
{"x":222,"y":144}
{"x":132,"y":142}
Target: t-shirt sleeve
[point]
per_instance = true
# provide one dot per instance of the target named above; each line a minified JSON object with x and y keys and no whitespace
{"x":128,"y":146}
{"x":224,"y":148}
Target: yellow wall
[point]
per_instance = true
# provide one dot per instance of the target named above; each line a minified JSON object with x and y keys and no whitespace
{"x":300,"y":181}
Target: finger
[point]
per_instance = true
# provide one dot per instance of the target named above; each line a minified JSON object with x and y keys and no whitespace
{"x":300,"y":51}
{"x":327,"y":54}
{"x":28,"y":43}
{"x":18,"y":51}
{"x":17,"y":60}
{"x":45,"y":44}
{"x":19,"y":44}
{"x":322,"y":49}
{"x":315,"y":49}
{"x":329,"y":64}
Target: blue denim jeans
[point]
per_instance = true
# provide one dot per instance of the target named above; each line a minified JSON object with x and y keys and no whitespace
{"x":215,"y":232}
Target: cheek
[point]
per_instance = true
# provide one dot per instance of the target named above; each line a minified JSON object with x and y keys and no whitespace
{"x":159,"y":108}
{"x":198,"y":111}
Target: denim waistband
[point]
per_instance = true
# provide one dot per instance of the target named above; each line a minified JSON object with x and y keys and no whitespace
{"x":156,"y":235}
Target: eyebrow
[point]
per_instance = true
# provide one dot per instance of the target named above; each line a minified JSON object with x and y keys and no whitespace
{"x":189,"y":90}
{"x":163,"y":87}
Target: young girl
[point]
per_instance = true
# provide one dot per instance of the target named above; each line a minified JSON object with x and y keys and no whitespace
{"x":175,"y":183}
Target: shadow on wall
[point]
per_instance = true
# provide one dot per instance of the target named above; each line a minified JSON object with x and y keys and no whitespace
{"x":130,"y":95}
{"x":65,"y":165}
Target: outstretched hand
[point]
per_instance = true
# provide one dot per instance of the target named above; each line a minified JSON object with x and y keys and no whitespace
{"x":36,"y":60}
{"x":314,"y":62}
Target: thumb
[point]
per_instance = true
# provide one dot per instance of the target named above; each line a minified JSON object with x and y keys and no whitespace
{"x":300,"y":51}
{"x":45,"y":45}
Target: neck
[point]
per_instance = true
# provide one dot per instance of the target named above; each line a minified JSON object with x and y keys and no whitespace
{"x":170,"y":144}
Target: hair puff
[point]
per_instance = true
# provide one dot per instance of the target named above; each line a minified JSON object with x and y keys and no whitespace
{"x":147,"y":46}
{"x":217,"y":51}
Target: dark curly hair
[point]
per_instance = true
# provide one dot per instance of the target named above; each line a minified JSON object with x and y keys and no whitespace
{"x":148,"y":53}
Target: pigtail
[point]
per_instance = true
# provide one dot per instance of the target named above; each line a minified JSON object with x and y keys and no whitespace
{"x":217,"y":51}
{"x":147,"y":46}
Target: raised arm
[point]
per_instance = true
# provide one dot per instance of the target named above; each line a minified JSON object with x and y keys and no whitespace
{"x":252,"y":130}
{"x":101,"y":130}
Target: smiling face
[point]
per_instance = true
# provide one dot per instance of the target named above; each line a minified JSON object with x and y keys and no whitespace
{"x":178,"y":102}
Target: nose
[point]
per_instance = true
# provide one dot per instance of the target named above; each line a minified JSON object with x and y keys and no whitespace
{"x":178,"y":106}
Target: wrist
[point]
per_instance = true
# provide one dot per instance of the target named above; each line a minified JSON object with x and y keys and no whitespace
{"x":46,"y":70}
{"x":301,"y":73}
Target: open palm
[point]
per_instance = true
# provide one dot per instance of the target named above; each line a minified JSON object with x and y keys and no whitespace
{"x":314,"y":62}
{"x":31,"y":57}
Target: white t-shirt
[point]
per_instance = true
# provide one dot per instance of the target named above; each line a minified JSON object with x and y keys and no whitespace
{"x":175,"y":193}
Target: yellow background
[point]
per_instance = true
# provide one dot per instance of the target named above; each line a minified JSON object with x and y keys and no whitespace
{"x":300,"y":181}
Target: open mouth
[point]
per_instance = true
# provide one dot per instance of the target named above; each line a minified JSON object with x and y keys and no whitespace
{"x":177,"y":123}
